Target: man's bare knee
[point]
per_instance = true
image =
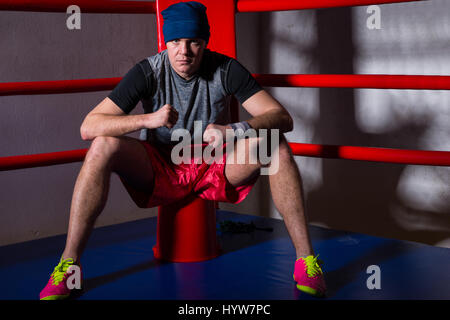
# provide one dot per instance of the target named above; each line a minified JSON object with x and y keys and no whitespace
{"x":102,"y":150}
{"x":124,"y":156}
{"x":105,"y":145}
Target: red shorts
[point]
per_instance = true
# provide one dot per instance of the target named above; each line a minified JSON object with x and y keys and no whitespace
{"x":174,"y":182}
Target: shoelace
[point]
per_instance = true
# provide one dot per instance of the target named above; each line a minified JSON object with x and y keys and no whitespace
{"x":313,"y":265}
{"x":58,"y":274}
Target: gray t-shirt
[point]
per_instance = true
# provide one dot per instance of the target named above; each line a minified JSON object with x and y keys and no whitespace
{"x":204,"y":97}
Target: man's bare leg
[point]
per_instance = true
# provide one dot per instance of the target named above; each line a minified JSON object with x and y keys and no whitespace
{"x":285,"y":187}
{"x":287,"y":194}
{"x":123,"y":155}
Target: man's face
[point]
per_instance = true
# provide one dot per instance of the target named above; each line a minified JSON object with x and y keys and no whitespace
{"x":185,"y":55}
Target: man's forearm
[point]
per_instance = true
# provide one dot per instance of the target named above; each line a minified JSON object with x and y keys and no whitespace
{"x":111,"y":125}
{"x":272,"y":120}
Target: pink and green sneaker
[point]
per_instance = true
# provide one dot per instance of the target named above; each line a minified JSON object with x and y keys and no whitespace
{"x":309,"y":276}
{"x":57,"y":287}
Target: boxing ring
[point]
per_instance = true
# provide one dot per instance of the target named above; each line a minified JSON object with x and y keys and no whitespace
{"x":253,"y":265}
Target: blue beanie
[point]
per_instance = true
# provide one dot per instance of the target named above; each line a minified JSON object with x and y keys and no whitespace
{"x":185,"y":20}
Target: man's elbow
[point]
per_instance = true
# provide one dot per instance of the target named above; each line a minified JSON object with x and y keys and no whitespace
{"x":289,"y":123}
{"x":85,"y":132}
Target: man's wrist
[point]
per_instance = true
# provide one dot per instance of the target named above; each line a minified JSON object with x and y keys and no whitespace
{"x":240,"y":128}
{"x":149,"y":121}
{"x":243,"y":125}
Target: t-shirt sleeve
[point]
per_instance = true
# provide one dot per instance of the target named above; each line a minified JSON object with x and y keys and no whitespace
{"x":240,"y":82}
{"x":133,"y":87}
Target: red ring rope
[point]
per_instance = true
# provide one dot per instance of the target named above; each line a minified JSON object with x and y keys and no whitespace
{"x":61,"y":86}
{"x":105,"y":6}
{"x":374,"y":81}
{"x":422,"y":82}
{"x":42,"y":159}
{"x":86,"y":6}
{"x":279,"y":5}
{"x":417,"y":157}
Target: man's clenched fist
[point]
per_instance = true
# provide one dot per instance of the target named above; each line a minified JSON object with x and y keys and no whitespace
{"x":216,"y":134}
{"x":167,"y":116}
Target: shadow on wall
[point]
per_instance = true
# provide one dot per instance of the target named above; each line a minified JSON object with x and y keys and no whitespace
{"x":387,"y":200}
{"x":373,"y":198}
{"x":362,"y":196}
